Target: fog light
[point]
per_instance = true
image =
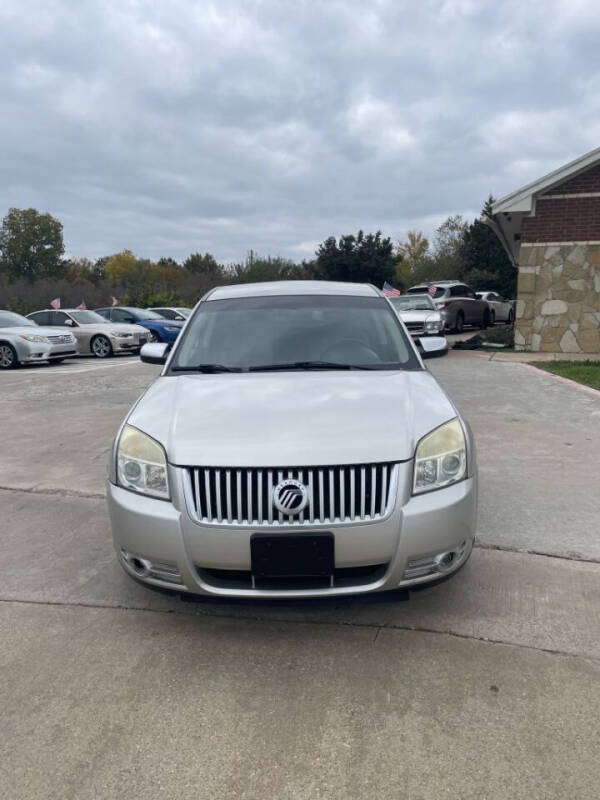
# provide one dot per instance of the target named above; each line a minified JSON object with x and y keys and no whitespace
{"x":133,"y":471}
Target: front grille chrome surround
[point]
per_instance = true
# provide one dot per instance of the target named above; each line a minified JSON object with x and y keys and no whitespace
{"x":337,"y":495}
{"x":60,"y":338}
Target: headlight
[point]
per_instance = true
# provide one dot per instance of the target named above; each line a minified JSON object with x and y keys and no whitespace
{"x":172,"y":328}
{"x":32,"y":337}
{"x":121,"y":335}
{"x":441,"y":458}
{"x":141,"y":464}
{"x":433,"y":326}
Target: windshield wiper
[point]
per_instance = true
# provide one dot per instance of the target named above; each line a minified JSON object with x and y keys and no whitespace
{"x":208,"y":368}
{"x":304,"y":365}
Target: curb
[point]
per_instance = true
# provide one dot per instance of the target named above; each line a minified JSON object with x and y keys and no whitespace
{"x":582,"y":387}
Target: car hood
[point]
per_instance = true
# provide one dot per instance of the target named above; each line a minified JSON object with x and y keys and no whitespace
{"x":38,"y":330}
{"x":107,"y":327}
{"x":292,"y":418}
{"x":419,"y":316}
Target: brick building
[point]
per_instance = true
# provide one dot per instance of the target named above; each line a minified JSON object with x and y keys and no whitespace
{"x":551,"y":230}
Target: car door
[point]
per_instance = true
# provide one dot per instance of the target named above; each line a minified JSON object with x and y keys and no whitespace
{"x":474,"y":308}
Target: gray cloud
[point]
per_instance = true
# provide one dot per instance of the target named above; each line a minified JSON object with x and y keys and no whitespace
{"x":222,"y":126}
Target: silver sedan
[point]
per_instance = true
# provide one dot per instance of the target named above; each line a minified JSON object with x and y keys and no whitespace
{"x":24,"y":342}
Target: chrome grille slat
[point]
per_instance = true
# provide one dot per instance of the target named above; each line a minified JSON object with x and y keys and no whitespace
{"x":242,"y":497}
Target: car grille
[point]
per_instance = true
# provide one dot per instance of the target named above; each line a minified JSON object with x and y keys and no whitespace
{"x":244,"y":497}
{"x":415,"y":327}
{"x":62,"y":338}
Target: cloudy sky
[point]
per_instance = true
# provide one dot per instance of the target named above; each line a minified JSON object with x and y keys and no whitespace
{"x":178,"y":126}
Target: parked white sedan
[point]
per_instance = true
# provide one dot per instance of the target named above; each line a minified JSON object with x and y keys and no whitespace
{"x":501,"y":310}
{"x":24,"y":342}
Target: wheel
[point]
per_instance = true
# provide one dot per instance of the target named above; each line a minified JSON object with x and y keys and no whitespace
{"x":460,"y":322}
{"x":101,"y":347}
{"x":151,"y":337}
{"x":492,"y":319}
{"x":486,"y":320}
{"x":8,"y":356}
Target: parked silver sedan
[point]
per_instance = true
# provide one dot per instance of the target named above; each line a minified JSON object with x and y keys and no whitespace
{"x":419,"y":314}
{"x":94,"y":334}
{"x":24,"y":342}
{"x":501,"y":310}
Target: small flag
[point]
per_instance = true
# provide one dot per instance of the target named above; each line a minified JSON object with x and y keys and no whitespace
{"x":82,"y":306}
{"x":389,"y":290}
{"x":55,"y":303}
{"x":114,"y":301}
{"x":432,"y":290}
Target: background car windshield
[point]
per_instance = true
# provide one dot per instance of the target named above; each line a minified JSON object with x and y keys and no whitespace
{"x":143,"y":314}
{"x":8,"y":319}
{"x":416,"y":302}
{"x":439,"y":290}
{"x":257,"y":331}
{"x":185,"y":312}
{"x":87,"y":317}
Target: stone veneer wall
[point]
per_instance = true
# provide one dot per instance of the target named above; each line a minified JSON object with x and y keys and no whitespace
{"x":558,"y":306}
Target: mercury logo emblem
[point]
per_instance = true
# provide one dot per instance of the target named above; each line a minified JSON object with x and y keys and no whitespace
{"x":290,"y":496}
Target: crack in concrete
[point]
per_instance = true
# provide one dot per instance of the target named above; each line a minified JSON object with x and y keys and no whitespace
{"x":341,"y":624}
{"x":55,"y":492}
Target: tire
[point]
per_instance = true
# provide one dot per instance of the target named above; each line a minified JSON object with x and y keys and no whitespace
{"x":459,"y":325}
{"x":101,"y":346}
{"x":8,"y":356}
{"x":56,"y":361}
{"x":492,"y":319}
{"x":151,"y":337}
{"x":485,"y":321}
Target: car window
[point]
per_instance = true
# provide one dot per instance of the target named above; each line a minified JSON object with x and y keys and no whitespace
{"x":8,"y":319}
{"x":166,"y":313}
{"x":58,"y":318}
{"x":457,"y":291}
{"x":122,"y":315}
{"x":140,"y":313}
{"x":104,"y":312}
{"x":440,"y":291}
{"x":258,"y":331}
{"x":469,"y":293}
{"x":415,"y":302}
{"x":41,"y":317}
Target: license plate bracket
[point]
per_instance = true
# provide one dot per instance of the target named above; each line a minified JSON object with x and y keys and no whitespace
{"x":286,"y":555}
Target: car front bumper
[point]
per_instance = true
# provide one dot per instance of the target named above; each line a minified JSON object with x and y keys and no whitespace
{"x":42,"y":351}
{"x":123,"y":345}
{"x":160,"y":544}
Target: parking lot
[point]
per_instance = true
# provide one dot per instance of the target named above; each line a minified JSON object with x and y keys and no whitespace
{"x":483,"y":686}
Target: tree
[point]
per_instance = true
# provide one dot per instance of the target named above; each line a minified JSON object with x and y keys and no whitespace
{"x":122,"y":268}
{"x":364,"y":258}
{"x":485,"y":261}
{"x":255,"y":269}
{"x":416,"y":262}
{"x":206,"y":264}
{"x":448,"y":249}
{"x":31,"y":245}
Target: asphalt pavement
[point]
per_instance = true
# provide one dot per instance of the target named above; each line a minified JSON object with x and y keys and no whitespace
{"x":486,"y":686}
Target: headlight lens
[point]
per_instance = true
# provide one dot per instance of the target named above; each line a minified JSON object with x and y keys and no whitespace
{"x":32,"y":337}
{"x":142,"y":464}
{"x":441,"y":458}
{"x":121,"y":335}
{"x":433,"y":325}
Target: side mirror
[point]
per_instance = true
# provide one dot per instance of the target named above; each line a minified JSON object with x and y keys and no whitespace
{"x":432,"y":346}
{"x":69,"y":322}
{"x":154,"y":353}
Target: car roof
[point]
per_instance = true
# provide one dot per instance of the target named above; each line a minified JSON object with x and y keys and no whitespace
{"x":68,"y":310}
{"x":292,"y":287}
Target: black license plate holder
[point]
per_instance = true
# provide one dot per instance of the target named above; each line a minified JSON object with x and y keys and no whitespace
{"x":286,"y":555}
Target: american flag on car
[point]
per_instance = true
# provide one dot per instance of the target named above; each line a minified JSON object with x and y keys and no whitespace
{"x":389,"y":290}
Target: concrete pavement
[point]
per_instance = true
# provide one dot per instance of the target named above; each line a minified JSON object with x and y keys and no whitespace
{"x":484,"y":686}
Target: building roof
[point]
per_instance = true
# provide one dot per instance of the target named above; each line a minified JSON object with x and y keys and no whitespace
{"x":508,"y":212}
{"x":292,"y":287}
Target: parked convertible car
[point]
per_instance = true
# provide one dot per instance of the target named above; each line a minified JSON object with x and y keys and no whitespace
{"x":294,"y":445}
{"x":93,"y":333}
{"x":159,"y":329}
{"x":457,"y":303}
{"x":169,"y":312}
{"x":501,"y":310}
{"x":419,"y":314}
{"x":24,"y":342}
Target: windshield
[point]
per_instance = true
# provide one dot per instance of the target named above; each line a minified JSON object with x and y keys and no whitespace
{"x":301,"y":331}
{"x":8,"y":319}
{"x":87,"y":317}
{"x":439,"y":290}
{"x":185,"y":312}
{"x":143,"y":313}
{"x":413,"y":302}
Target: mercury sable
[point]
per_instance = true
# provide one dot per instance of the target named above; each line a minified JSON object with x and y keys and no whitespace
{"x":294,"y":445}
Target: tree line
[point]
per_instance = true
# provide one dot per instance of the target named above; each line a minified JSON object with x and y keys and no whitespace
{"x":33,"y":267}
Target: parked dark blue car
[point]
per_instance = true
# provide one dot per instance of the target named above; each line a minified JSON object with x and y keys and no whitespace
{"x":159,"y":329}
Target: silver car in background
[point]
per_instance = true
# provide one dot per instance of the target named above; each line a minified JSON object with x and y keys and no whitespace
{"x":24,"y":342}
{"x":419,"y":314}
{"x":293,"y":445}
{"x":501,"y":310}
{"x":94,"y":334}
{"x":457,"y":303}
{"x":180,"y":314}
